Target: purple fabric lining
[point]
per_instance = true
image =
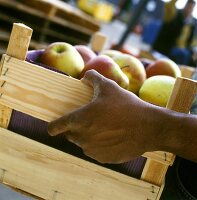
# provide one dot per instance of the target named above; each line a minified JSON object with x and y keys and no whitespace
{"x":36,"y":129}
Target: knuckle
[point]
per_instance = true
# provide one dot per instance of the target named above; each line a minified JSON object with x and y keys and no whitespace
{"x":90,"y":73}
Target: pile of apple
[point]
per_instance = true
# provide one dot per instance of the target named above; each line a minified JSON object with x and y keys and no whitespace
{"x":152,"y":82}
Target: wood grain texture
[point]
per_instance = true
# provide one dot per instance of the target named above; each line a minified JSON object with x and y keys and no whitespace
{"x":165,"y":158}
{"x":154,"y":172}
{"x":18,"y":45}
{"x":44,"y":172}
{"x":183,"y":95}
{"x":180,"y":100}
{"x":19,"y":41}
{"x":5,"y":114}
{"x":40,"y":92}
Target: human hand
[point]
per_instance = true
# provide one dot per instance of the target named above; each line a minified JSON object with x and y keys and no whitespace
{"x":116,"y":126}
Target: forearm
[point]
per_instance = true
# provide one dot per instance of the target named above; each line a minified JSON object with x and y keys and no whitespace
{"x":179,"y":134}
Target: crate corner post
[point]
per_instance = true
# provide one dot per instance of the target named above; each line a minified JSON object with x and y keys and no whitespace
{"x":17,"y":47}
{"x":19,"y":41}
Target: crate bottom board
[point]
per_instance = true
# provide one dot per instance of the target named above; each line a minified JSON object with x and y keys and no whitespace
{"x":41,"y":170}
{"x":36,"y":129}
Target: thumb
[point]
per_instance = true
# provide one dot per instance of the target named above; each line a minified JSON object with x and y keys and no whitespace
{"x":92,"y":78}
{"x":72,"y":121}
{"x":58,"y":126}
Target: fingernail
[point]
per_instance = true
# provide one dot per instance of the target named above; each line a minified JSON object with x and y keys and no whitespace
{"x":51,"y":129}
{"x":56,"y":128}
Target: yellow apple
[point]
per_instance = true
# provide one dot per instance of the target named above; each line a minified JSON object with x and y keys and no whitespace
{"x":63,"y":57}
{"x":157,"y":89}
{"x":134,"y":70}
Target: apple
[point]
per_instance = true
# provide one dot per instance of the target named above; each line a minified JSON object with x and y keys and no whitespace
{"x":108,"y":68}
{"x":146,"y":62}
{"x":63,"y":57}
{"x":134,"y":70}
{"x":157,"y":89}
{"x":163,"y":66}
{"x":110,"y":52}
{"x":85,"y":52}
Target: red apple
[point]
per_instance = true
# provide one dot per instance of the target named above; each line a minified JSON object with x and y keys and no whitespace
{"x":163,"y":66}
{"x":108,"y":68}
{"x":85,"y":52}
{"x":133,"y":68}
{"x":63,"y":57}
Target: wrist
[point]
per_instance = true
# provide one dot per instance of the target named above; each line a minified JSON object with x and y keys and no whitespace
{"x":172,"y":133}
{"x":160,"y":122}
{"x":163,"y":133}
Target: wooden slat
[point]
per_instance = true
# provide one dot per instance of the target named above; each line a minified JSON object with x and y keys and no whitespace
{"x":45,"y":17}
{"x":45,"y":33}
{"x":180,"y":100}
{"x":165,"y":158}
{"x":5,"y":114}
{"x":18,"y":45}
{"x":74,"y":14}
{"x":39,"y":92}
{"x":64,"y":11}
{"x":44,"y":172}
{"x":183,"y":95}
{"x":154,"y":172}
{"x":160,"y":191}
{"x":19,"y":41}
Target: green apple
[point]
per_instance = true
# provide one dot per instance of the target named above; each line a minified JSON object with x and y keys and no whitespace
{"x":134,"y":70}
{"x":108,"y":68}
{"x":157,"y":89}
{"x":64,"y":57}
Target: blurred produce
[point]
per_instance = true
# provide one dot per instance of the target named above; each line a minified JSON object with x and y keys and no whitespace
{"x":101,"y":10}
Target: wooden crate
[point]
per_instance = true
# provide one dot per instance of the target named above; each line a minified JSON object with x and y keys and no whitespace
{"x":51,"y":20}
{"x":48,"y":173}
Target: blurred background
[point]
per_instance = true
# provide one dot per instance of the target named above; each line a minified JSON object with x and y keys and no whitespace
{"x":75,"y":21}
{"x":149,"y":29}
